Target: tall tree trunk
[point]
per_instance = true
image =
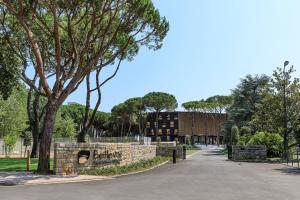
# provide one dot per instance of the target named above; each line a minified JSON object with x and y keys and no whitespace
{"x":45,"y":143}
{"x":82,"y":134}
{"x":140,"y":123}
{"x":122,"y":128}
{"x":34,"y":116}
{"x":89,"y":117}
{"x":35,"y":143}
{"x":129,"y":128}
{"x":156,"y":126}
{"x":37,"y":125}
{"x":193,"y":124}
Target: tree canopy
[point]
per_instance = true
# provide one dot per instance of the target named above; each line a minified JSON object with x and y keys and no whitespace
{"x":159,"y":101}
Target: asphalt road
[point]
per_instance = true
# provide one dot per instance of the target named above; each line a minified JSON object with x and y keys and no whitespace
{"x":207,"y":175}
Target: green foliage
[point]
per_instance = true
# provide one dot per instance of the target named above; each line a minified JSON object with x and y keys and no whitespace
{"x":134,"y":167}
{"x":191,"y":106}
{"x":101,"y":120}
{"x":212,"y":104}
{"x":244,"y":139}
{"x":245,"y":131}
{"x":245,"y":99}
{"x":74,"y":111}
{"x":10,"y":141}
{"x":64,"y":127}
{"x":220,"y":102}
{"x":9,"y":67}
{"x":159,"y":101}
{"x":191,"y":147}
{"x":235,"y":135}
{"x":27,"y":138}
{"x":122,"y":114}
{"x":135,"y":104}
{"x":273,"y":141}
{"x":297,"y":136}
{"x":13,"y":116}
{"x":270,"y":114}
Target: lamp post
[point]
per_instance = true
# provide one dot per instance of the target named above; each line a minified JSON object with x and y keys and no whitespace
{"x":285,"y":131}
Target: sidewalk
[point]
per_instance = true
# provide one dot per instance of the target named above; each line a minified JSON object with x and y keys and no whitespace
{"x":24,"y":178}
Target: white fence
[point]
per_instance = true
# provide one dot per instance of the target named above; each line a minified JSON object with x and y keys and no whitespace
{"x":19,"y":149}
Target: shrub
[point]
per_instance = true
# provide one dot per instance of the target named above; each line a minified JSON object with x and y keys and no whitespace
{"x":235,"y":135}
{"x":273,"y":141}
{"x":245,"y":130}
{"x":133,"y":167}
{"x":10,"y":142}
{"x":64,"y":127}
{"x":27,"y":138}
{"x":243,"y":140}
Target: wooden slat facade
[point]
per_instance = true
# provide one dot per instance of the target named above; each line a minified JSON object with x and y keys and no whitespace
{"x":171,"y":125}
{"x":204,"y":123}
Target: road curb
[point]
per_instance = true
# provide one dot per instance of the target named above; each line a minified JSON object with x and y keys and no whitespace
{"x":86,"y":179}
{"x":138,"y":172}
{"x":191,"y":155}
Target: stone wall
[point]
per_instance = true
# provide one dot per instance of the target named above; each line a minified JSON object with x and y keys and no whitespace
{"x":142,"y":152}
{"x":167,"y":151}
{"x":249,"y":153}
{"x":69,"y":159}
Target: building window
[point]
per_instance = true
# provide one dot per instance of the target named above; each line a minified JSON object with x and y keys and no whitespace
{"x":176,"y":131}
{"x":164,"y":125}
{"x":152,"y":132}
{"x":168,"y":131}
{"x":148,"y":125}
{"x":155,"y":124}
{"x":168,"y":117}
{"x":159,"y":117}
{"x":160,"y":131}
{"x":172,"y":124}
{"x":175,"y":117}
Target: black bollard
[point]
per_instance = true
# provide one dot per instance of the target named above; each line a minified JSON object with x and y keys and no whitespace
{"x":174,"y":156}
{"x":184,"y":152}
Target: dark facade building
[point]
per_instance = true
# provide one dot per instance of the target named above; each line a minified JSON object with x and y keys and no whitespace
{"x":206,"y":127}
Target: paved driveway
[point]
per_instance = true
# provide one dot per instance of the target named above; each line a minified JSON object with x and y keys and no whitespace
{"x":207,"y":175}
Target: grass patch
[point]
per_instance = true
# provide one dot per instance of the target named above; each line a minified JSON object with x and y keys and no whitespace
{"x":134,"y":167}
{"x":224,"y":151}
{"x":19,"y":164}
{"x":191,"y":151}
{"x":276,"y":159}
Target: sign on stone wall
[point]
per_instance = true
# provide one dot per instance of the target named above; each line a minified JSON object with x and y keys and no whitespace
{"x":69,"y":159}
{"x":249,"y":153}
{"x":106,"y":157}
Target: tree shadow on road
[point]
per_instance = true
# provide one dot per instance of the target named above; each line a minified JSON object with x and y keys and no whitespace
{"x":213,"y":153}
{"x":289,"y":171}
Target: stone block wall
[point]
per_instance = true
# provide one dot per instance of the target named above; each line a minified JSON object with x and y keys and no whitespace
{"x":249,"y":153}
{"x":167,"y":151}
{"x":142,"y":152}
{"x":69,"y":159}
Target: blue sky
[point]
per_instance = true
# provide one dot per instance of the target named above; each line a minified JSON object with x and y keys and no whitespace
{"x":210,"y":46}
